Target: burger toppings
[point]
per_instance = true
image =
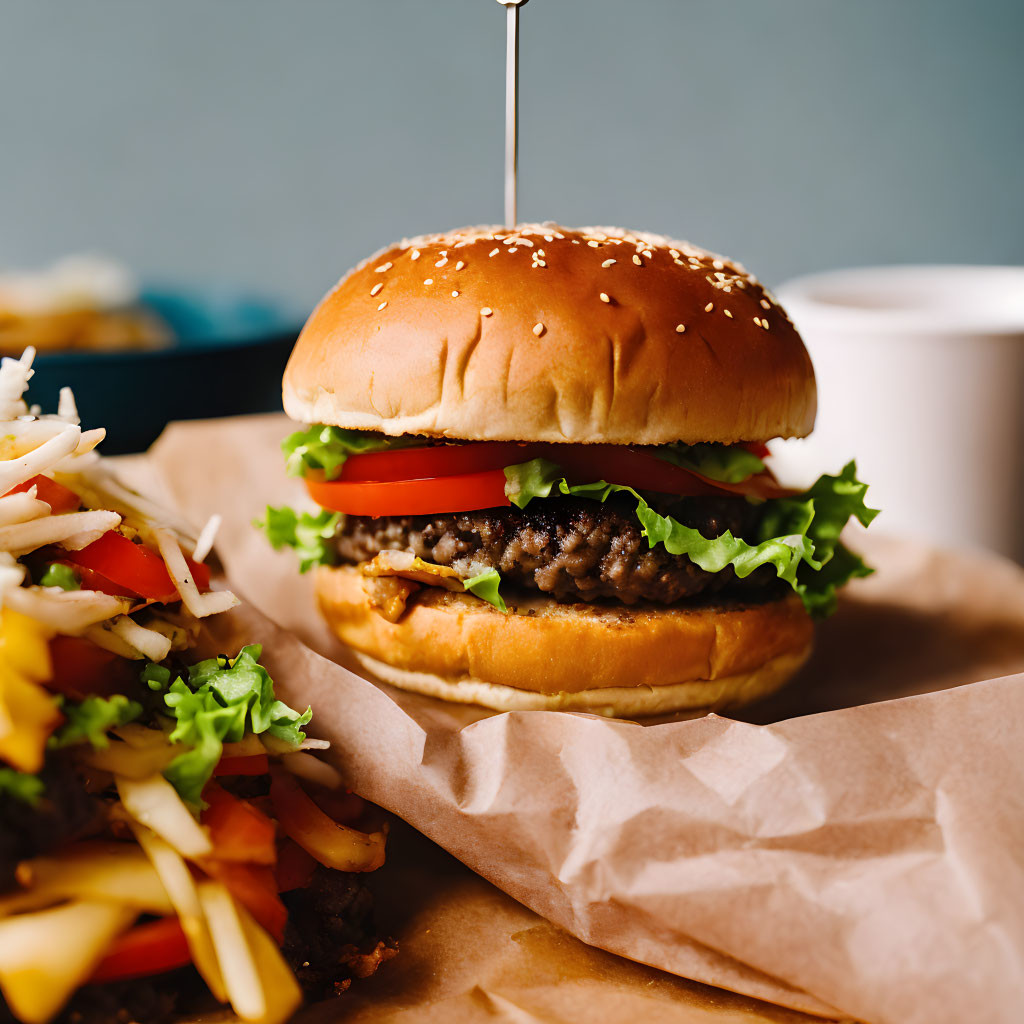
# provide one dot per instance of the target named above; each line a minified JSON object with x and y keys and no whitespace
{"x":158,"y":812}
{"x":658,"y":524}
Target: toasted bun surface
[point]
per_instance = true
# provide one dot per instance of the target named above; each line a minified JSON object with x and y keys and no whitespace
{"x":594,"y":335}
{"x":604,"y":658}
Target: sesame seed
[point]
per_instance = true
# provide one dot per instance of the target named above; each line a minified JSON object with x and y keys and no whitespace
{"x":429,"y":280}
{"x":459,"y":265}
{"x":757,"y":320}
{"x":539,"y":329}
{"x":455,"y":295}
{"x":727,"y":313}
{"x":727,"y":288}
{"x":524,"y":241}
{"x":680,"y":328}
{"x":549,"y":238}
{"x":710,"y":306}
{"x":593,"y":244}
{"x":538,"y":263}
{"x":486,"y":311}
{"x":636,"y":259}
{"x":383,"y":267}
{"x":376,"y":288}
{"x":765,"y":304}
{"x":441,"y":262}
{"x":575,"y":241}
{"x":718,"y":265}
{"x":607,"y":263}
{"x":764,"y":323}
{"x":679,"y":263}
{"x":674,"y":253}
{"x":382,"y":305}
{"x":605,"y":297}
{"x":494,"y":251}
{"x":415,"y":254}
{"x":541,"y":252}
{"x":513,"y":249}
{"x":649,"y":254}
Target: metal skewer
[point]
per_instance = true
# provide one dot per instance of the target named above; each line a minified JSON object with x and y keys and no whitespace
{"x":511,"y":107}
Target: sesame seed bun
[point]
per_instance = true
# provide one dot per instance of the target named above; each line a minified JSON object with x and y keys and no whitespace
{"x":607,"y":659}
{"x":544,"y":333}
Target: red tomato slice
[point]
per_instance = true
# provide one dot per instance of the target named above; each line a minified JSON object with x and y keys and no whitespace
{"x":137,"y":568}
{"x":89,"y":579}
{"x":80,"y":668}
{"x":146,"y":949}
{"x":458,"y":493}
{"x":464,"y":478}
{"x":247,"y":764}
{"x":57,"y":496}
{"x":255,"y":887}
{"x":294,"y":867}
{"x":238,"y":831}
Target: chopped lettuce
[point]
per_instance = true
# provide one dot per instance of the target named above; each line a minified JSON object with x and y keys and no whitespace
{"x":58,"y":575}
{"x":326,"y":448}
{"x":729,"y":463}
{"x":308,"y":534}
{"x":798,"y":536}
{"x":485,"y":586}
{"x":90,"y":720}
{"x":21,"y":786}
{"x":222,"y":701}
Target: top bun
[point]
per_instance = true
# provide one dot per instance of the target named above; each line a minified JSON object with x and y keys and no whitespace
{"x":547,"y":333}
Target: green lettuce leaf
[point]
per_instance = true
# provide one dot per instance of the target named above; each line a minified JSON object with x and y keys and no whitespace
{"x":222,"y":701}
{"x":91,"y":720}
{"x":58,"y":575}
{"x":308,"y":534}
{"x":726,"y":462}
{"x":20,"y":786}
{"x":799,"y":537}
{"x":485,"y":586}
{"x":326,"y":448}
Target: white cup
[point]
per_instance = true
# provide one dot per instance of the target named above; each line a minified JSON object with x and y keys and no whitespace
{"x":921,"y":378}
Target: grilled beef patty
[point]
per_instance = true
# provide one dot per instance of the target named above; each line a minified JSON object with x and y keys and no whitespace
{"x":571,"y":548}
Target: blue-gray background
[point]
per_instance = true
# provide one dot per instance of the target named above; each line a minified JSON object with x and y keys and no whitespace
{"x":275,"y":143}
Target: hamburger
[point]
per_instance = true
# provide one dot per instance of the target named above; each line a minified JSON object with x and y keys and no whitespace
{"x":540,"y":462}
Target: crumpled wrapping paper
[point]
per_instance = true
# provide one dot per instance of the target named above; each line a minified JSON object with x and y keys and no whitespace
{"x":862,"y":861}
{"x":469,"y":953}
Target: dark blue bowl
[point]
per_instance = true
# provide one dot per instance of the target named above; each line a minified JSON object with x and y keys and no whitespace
{"x":227,"y":358}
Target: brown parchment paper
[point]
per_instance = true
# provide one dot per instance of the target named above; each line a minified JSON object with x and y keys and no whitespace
{"x":470,"y":953}
{"x":863,"y":860}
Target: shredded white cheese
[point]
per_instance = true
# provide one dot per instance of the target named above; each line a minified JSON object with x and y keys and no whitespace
{"x":17,"y":470}
{"x":74,"y":530}
{"x":147,"y":642}
{"x":67,"y":407}
{"x":22,"y":507}
{"x":207,"y":536}
{"x":14,"y":377}
{"x":199,"y":605}
{"x":67,"y":611}
{"x":155,"y":803}
{"x":102,"y":636}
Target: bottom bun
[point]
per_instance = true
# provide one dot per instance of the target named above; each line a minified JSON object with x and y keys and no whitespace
{"x":607,"y":659}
